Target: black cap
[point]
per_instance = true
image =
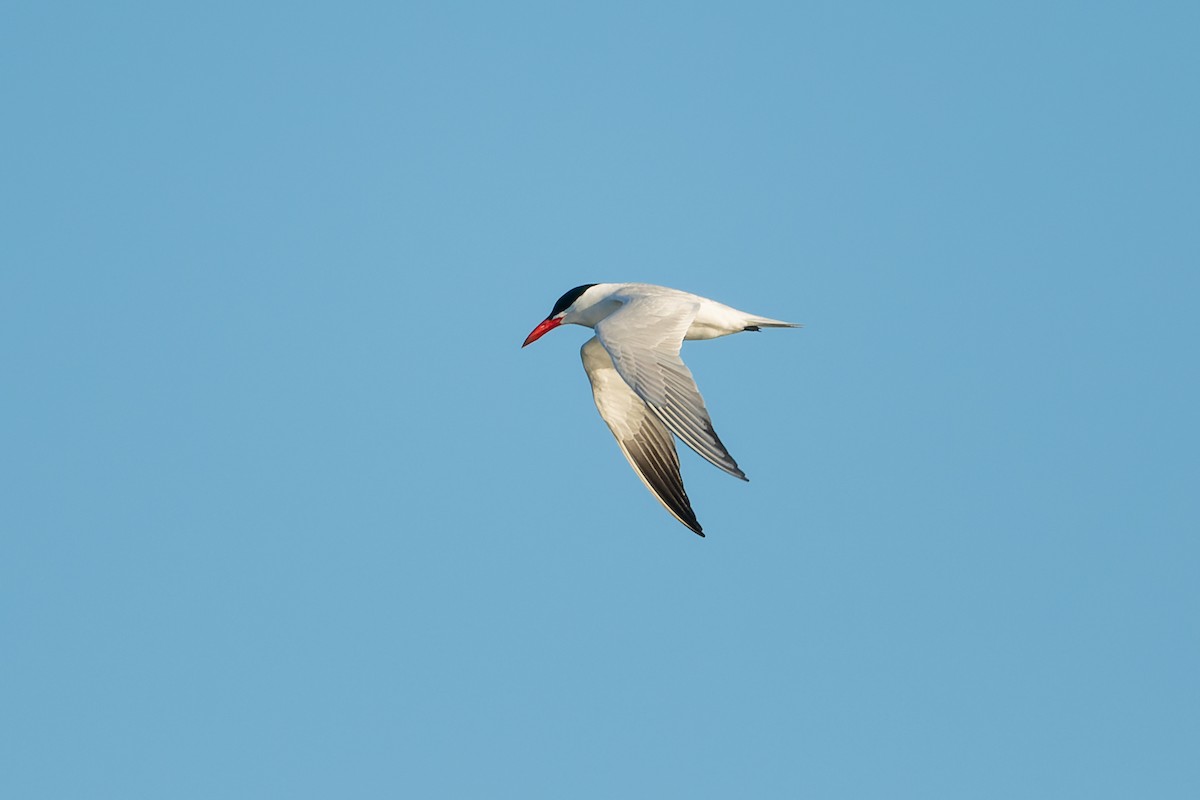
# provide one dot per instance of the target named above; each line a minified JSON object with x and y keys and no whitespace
{"x":567,"y":299}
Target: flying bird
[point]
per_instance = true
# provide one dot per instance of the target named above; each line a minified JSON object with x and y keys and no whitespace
{"x":642,"y":388}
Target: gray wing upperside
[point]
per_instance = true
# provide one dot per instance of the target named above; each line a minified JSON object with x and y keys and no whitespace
{"x":643,"y":339}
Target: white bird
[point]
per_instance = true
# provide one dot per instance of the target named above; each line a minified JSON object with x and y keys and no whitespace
{"x":642,"y":388}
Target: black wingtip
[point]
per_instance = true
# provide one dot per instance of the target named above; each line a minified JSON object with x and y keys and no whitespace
{"x":699,"y":533}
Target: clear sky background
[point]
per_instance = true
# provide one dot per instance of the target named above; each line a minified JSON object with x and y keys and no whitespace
{"x":288,"y":513}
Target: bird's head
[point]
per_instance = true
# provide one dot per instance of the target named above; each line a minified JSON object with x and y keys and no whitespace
{"x":565,"y":310}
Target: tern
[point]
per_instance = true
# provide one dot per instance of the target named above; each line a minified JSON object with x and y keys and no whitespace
{"x":643,"y":390}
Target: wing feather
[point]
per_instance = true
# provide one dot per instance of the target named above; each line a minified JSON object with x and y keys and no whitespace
{"x":643,"y":338}
{"x":644,"y":439}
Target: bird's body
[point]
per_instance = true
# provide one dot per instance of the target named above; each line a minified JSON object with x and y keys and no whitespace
{"x":710,"y":320}
{"x":642,"y":388}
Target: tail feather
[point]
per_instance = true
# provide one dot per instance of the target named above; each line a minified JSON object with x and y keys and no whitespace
{"x":756,"y":323}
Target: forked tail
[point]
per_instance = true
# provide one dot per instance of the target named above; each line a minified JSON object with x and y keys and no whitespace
{"x":758,"y":323}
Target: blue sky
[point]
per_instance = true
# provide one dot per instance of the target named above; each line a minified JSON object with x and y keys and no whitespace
{"x":288,"y":513}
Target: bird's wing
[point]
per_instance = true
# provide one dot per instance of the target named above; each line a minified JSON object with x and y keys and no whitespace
{"x":643,"y":337}
{"x":644,"y":440}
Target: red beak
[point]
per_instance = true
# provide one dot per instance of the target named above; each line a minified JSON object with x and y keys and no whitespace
{"x":544,"y":327}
